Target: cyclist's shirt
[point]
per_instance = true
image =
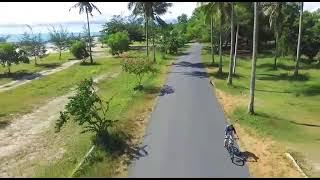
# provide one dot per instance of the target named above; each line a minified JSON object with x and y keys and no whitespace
{"x":228,"y":130}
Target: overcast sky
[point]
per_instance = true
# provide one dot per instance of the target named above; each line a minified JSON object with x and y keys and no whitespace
{"x":51,"y":12}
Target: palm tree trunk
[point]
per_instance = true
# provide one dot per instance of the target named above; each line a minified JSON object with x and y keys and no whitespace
{"x":235,"y":51}
{"x":154,"y":49}
{"x":220,"y":44}
{"x":89,"y":36}
{"x":35,"y":60}
{"x":9,"y":70}
{"x":212,"y":51}
{"x":254,"y":59}
{"x":147,"y":35}
{"x":229,"y":82}
{"x":276,"y":52}
{"x":59,"y":54}
{"x":296,"y":71}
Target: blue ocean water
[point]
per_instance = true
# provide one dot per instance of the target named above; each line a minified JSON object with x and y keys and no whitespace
{"x":15,"y":32}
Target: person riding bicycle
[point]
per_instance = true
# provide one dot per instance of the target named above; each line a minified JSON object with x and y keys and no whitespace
{"x":229,"y":130}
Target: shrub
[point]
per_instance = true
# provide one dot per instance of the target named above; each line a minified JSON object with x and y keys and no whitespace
{"x":139,"y":68}
{"x":79,"y":51}
{"x":9,"y":54}
{"x":118,"y":42}
{"x":89,"y":111}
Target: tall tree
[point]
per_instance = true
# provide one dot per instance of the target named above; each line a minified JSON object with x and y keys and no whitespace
{"x":33,"y":44}
{"x":229,"y":82}
{"x":220,"y":9}
{"x":59,"y":38}
{"x":150,"y":11}
{"x":242,"y":18}
{"x":296,"y":71}
{"x":254,"y":58}
{"x":86,"y":7}
{"x":276,"y":17}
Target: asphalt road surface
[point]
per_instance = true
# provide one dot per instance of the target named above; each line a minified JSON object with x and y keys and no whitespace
{"x":185,"y":134}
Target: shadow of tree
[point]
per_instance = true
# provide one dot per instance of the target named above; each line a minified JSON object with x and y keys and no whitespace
{"x":4,"y":124}
{"x":305,"y":124}
{"x":283,"y":76}
{"x":89,"y":64}
{"x":49,"y":66}
{"x":218,"y":75}
{"x":20,"y":75}
{"x":309,"y":90}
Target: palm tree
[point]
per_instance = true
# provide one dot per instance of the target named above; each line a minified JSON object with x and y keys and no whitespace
{"x":299,"y":40}
{"x":276,"y":17}
{"x":220,"y":9}
{"x":229,"y":82}
{"x":150,"y":11}
{"x":254,"y":58}
{"x":86,"y":7}
{"x":242,"y":17}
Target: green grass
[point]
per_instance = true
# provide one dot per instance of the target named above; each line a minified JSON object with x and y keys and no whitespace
{"x":26,"y":97}
{"x":287,"y":107}
{"x":125,"y":106}
{"x":49,"y":62}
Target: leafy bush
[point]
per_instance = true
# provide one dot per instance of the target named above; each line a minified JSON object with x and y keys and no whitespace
{"x":118,"y":42}
{"x":79,"y":51}
{"x":89,"y":111}
{"x":9,"y":54}
{"x":139,"y":68}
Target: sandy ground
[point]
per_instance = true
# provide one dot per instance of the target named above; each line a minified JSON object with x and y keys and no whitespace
{"x":23,"y":140}
{"x":266,"y":157}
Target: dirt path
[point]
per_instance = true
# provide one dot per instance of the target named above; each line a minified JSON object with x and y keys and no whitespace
{"x":23,"y":139}
{"x":27,"y":79}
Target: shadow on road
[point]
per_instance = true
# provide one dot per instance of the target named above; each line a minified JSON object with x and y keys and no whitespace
{"x":166,"y":90}
{"x":138,"y":152}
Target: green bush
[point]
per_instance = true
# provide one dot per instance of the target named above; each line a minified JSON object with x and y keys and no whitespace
{"x":10,"y":55}
{"x":89,"y":111}
{"x":79,"y":51}
{"x":118,"y":42}
{"x":139,"y":68}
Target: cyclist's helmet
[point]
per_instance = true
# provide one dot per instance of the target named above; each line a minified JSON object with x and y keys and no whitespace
{"x":231,"y":126}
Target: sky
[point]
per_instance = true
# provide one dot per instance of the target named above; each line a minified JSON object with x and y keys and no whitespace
{"x":33,"y":13}
{"x":51,"y":12}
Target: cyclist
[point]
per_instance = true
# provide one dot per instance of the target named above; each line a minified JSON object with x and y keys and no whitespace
{"x":229,"y":130}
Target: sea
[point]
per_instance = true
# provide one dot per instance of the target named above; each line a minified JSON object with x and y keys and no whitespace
{"x":15,"y":32}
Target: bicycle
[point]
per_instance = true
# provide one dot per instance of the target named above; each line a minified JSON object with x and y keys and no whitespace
{"x":231,"y":148}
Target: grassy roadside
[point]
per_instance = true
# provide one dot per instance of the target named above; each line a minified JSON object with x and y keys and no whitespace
{"x":25,"y":98}
{"x":286,"y":109}
{"x":19,"y":70}
{"x":129,"y":106}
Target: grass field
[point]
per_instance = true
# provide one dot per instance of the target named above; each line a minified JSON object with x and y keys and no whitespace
{"x":126,"y":106}
{"x":22,"y":69}
{"x":287,"y":108}
{"x":27,"y":97}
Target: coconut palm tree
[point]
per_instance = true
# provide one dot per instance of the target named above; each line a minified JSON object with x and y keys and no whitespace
{"x":276,"y":17}
{"x":254,"y":58}
{"x":86,"y":7}
{"x":242,"y":17}
{"x":296,"y":71}
{"x":220,"y":9}
{"x":229,"y":81}
{"x":150,"y":11}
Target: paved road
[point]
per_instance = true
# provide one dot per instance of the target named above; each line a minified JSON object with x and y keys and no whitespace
{"x":185,"y":133}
